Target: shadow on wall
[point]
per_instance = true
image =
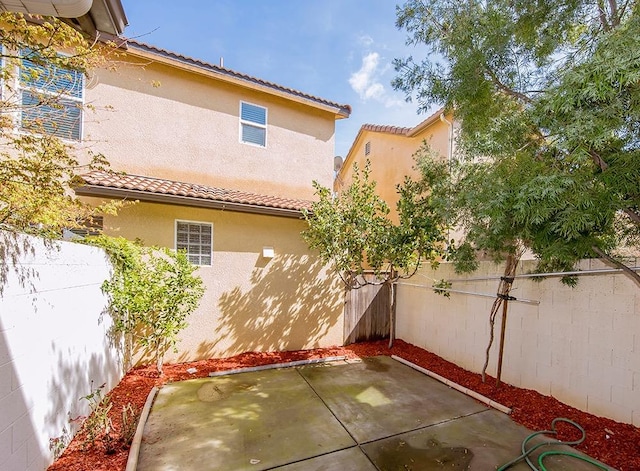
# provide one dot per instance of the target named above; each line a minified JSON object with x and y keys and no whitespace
{"x":14,"y":247}
{"x":293,"y":303}
{"x":52,"y":345}
{"x":14,"y":413}
{"x":71,"y":383}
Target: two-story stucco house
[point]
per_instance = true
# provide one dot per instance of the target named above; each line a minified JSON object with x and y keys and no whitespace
{"x":222,"y":165}
{"x":390,"y":151}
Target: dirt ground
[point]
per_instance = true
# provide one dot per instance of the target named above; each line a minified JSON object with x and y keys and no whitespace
{"x":613,"y":443}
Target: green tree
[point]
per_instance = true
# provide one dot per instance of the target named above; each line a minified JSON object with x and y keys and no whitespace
{"x":547,"y":93}
{"x":38,"y":168}
{"x":151,"y":293}
{"x":354,"y":233}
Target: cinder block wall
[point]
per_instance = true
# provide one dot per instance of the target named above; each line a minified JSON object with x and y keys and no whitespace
{"x":580,"y":345}
{"x":53,"y":344}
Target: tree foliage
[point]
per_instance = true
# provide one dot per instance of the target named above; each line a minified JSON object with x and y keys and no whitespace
{"x":353,"y":230}
{"x":547,"y":93}
{"x":354,"y":233}
{"x":37,"y":169}
{"x":151,"y":293}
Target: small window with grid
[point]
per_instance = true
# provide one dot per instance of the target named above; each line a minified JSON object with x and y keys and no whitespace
{"x":367,"y":148}
{"x":195,"y":239}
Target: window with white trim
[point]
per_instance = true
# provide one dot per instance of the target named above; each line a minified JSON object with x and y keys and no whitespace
{"x":51,"y":98}
{"x":253,"y":124}
{"x":92,"y":226}
{"x":196,"y":240}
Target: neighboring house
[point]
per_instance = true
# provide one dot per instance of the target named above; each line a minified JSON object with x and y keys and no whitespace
{"x":391,"y":149}
{"x":222,"y":165}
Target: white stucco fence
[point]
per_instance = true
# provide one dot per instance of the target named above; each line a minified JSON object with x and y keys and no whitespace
{"x":580,"y":345}
{"x":53,"y":344}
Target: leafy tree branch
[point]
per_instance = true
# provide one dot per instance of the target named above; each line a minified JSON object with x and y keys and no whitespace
{"x":37,"y":168}
{"x":354,"y":233}
{"x":151,"y":293}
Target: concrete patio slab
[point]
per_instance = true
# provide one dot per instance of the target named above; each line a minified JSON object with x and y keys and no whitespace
{"x":377,"y":414}
{"x":478,"y":442}
{"x":250,"y":421}
{"x":380,"y":397}
{"x":351,"y":459}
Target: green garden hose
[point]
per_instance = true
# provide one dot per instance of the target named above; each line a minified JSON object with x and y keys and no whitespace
{"x":540,"y":467}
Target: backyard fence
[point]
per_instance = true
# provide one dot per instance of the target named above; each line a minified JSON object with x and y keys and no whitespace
{"x":580,"y":345}
{"x":366,"y":312}
{"x":54,"y":347}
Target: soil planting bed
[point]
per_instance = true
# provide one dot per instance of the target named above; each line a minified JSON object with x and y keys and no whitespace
{"x":616,"y":444}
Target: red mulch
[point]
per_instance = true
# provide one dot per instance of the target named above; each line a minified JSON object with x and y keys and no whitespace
{"x":613,"y":443}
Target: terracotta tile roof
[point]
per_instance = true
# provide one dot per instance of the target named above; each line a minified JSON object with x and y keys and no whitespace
{"x":397,"y":130}
{"x":157,"y":189}
{"x":402,"y":130}
{"x":343,"y":110}
{"x":385,"y":128}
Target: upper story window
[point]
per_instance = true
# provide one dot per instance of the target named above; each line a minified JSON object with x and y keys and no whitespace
{"x":196,"y":239}
{"x":51,"y":99}
{"x":253,"y":124}
{"x":367,"y":148}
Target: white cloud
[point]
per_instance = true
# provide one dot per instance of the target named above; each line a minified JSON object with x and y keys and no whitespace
{"x":365,"y":40}
{"x":366,"y":81}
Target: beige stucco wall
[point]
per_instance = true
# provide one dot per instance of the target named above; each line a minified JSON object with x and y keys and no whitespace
{"x":580,"y":345}
{"x":392,"y":158}
{"x":187,"y":129}
{"x":251,"y":303}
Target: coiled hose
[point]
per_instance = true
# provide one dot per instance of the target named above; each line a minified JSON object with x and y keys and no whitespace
{"x":540,"y":467}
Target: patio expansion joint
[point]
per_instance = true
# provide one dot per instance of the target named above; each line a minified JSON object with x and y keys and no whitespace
{"x":423,"y":427}
{"x":336,"y":417}
{"x":312,"y":457}
{"x":366,"y":442}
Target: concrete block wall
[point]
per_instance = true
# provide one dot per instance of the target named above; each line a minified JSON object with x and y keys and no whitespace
{"x":580,"y":345}
{"x":54,"y":347}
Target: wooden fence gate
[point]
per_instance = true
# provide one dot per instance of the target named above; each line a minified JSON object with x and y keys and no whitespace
{"x":366,"y":313}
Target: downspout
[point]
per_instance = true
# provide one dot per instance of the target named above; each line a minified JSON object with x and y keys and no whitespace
{"x":450,"y":145}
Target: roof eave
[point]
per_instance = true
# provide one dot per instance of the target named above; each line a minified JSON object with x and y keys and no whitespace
{"x":339,"y":112}
{"x":122,"y":193}
{"x":106,"y":20}
{"x":426,"y":123}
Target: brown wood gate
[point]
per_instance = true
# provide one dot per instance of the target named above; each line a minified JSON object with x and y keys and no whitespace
{"x":366,"y":313}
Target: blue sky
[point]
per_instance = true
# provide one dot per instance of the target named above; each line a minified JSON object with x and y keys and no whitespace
{"x":341,"y":50}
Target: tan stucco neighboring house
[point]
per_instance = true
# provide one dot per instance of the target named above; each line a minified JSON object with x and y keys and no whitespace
{"x":222,"y":165}
{"x":390,"y":151}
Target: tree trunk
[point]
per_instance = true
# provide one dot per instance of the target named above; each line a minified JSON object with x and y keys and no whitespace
{"x":504,"y":288}
{"x":159,"y":357}
{"x":503,"y":330}
{"x":628,"y":271}
{"x":392,"y":312}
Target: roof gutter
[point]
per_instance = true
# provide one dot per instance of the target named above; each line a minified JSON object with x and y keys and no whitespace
{"x":119,"y":193}
{"x":106,"y":19}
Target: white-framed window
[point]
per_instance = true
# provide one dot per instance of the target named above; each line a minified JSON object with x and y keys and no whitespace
{"x":196,"y":239}
{"x":51,"y":98}
{"x":253,"y":124}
